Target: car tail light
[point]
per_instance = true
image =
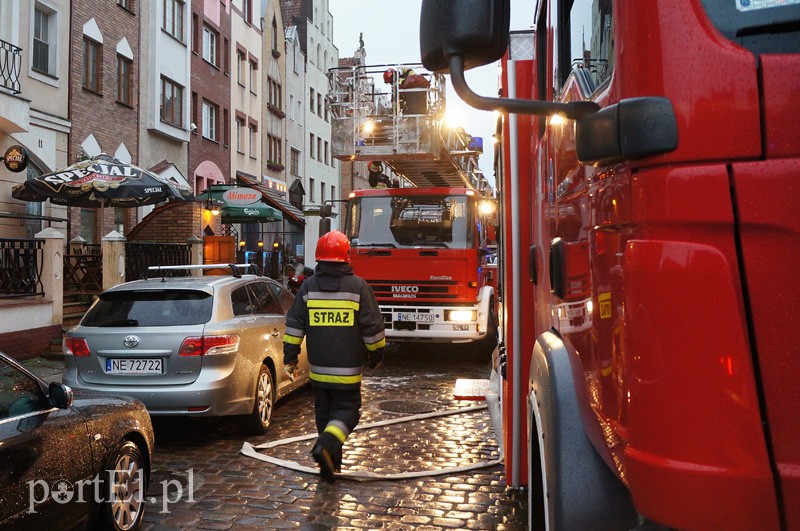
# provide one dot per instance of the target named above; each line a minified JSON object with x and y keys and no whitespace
{"x":75,"y":346}
{"x":209,"y":345}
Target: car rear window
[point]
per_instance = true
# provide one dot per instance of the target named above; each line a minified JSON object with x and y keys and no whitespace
{"x":150,"y":308}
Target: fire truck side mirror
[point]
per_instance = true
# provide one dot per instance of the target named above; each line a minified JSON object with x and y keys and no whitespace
{"x":324,"y":226}
{"x":477,"y":30}
{"x":631,"y":129}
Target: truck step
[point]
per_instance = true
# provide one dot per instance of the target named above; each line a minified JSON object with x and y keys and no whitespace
{"x":471,"y":389}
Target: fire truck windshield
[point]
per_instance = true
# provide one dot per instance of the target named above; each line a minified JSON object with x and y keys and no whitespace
{"x":412,"y":221}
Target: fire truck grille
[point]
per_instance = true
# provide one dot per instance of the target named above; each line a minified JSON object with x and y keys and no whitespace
{"x":401,"y":292}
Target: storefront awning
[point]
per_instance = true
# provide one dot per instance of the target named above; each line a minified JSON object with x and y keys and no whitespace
{"x":257,"y":212}
{"x":272,"y":198}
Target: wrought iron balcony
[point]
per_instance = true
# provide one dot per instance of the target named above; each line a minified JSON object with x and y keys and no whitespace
{"x":10,"y":64}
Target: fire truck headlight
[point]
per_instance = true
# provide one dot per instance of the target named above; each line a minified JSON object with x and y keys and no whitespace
{"x":460,"y":316}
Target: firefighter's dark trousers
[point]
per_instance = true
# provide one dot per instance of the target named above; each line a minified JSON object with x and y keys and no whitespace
{"x":342,"y":408}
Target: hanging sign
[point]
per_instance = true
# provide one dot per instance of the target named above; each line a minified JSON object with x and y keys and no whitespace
{"x":241,"y":196}
{"x":16,"y":158}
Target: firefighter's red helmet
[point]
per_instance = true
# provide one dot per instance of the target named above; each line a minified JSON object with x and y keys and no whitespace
{"x":375,"y":166}
{"x":388,"y":75}
{"x":333,"y":247}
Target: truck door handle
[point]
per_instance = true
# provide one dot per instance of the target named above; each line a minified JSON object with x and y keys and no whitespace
{"x":533,"y":269}
{"x":557,"y":265}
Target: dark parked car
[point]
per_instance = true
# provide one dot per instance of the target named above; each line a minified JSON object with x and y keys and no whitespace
{"x":68,"y":461}
{"x":188,"y":346}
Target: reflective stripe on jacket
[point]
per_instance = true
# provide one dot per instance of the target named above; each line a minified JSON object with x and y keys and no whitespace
{"x":340,"y":327}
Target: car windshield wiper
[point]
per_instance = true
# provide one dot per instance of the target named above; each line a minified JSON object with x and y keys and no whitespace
{"x":120,"y":322}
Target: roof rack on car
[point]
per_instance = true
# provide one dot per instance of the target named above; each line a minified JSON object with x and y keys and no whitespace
{"x":235,"y":269}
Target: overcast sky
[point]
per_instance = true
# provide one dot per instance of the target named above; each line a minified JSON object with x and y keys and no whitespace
{"x":391,"y":35}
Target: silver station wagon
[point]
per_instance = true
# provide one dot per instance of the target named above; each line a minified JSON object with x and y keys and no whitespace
{"x":188,"y":345}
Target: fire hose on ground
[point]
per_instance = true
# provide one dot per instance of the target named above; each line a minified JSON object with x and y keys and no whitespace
{"x":492,"y":403}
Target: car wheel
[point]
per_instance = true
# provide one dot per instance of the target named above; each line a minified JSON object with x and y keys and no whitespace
{"x":125,"y":486}
{"x":258,"y":421}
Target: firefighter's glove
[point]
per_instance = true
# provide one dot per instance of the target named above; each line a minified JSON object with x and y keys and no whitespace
{"x":375,"y":360}
{"x":291,"y":370}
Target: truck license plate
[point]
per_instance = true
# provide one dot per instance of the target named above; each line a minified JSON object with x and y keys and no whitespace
{"x":416,"y":317}
{"x":133,"y":366}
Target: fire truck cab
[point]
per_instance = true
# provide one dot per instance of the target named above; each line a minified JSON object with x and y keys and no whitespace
{"x":424,"y":245}
{"x":648,"y":181}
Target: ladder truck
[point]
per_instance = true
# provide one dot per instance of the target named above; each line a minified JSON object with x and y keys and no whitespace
{"x":648,"y":180}
{"x":426,"y":247}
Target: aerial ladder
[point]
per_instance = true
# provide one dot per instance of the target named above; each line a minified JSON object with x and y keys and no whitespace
{"x":401,"y":124}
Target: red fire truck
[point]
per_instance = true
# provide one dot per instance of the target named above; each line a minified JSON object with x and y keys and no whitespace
{"x":424,"y":247}
{"x":649,"y":181}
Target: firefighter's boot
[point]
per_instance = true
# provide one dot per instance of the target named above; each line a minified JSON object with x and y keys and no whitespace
{"x":327,"y":452}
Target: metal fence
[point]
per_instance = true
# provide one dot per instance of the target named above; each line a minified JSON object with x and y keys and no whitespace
{"x":21,"y":267}
{"x":140,"y":256}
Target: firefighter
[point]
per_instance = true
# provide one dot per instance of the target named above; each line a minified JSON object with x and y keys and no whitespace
{"x":336,"y":311}
{"x":377,"y":179}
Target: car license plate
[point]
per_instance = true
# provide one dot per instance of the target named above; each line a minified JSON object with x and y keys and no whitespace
{"x":133,"y":366}
{"x":416,"y":317}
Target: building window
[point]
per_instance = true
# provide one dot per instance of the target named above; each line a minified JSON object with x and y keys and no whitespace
{"x":247,"y":11}
{"x":43,"y":48}
{"x":226,"y":128}
{"x":311,"y":146}
{"x":92,"y":64}
{"x":319,"y":149}
{"x":253,"y":140}
{"x":127,"y":4}
{"x":226,"y":61}
{"x":319,"y":104}
{"x":173,"y":18}
{"x":311,"y":106}
{"x":321,"y":192}
{"x":171,"y":102}
{"x":311,"y":190}
{"x":275,"y":95}
{"x":210,"y":121}
{"x":274,"y":34}
{"x":195,"y":116}
{"x":124,"y":69}
{"x":333,"y":192}
{"x":253,"y":77}
{"x":240,"y":60}
{"x":195,"y":33}
{"x":239,"y":134}
{"x":275,"y":150}
{"x":326,"y":152}
{"x":210,"y":45}
{"x":294,"y":162}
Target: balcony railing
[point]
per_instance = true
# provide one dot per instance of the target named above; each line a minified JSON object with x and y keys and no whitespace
{"x":20,"y":267}
{"x":10,"y":65}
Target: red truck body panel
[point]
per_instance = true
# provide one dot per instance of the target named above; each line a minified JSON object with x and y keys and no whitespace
{"x":689,"y":263}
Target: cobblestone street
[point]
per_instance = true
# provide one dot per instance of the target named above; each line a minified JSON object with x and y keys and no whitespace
{"x":220,"y":488}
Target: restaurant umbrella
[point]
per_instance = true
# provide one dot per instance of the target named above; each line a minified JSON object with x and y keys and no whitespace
{"x":100,"y":182}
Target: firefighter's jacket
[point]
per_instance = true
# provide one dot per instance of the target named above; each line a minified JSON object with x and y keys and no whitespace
{"x":337,"y":313}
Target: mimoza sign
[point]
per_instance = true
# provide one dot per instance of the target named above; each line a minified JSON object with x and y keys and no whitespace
{"x":241,"y":196}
